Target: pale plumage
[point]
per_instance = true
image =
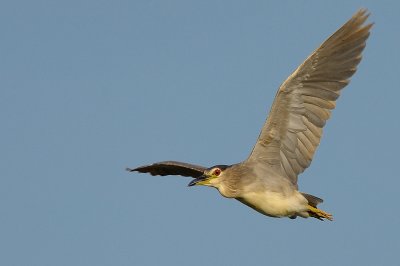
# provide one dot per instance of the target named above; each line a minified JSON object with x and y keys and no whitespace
{"x":304,"y":101}
{"x":267,"y":180}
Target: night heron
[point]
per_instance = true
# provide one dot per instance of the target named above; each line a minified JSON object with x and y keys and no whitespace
{"x":267,"y":180}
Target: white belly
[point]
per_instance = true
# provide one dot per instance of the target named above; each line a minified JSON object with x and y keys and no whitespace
{"x":276,"y":204}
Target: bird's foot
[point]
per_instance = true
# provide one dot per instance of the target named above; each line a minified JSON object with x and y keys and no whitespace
{"x":319,"y":214}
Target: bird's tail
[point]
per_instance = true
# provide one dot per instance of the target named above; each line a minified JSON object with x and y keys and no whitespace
{"x":313,"y":211}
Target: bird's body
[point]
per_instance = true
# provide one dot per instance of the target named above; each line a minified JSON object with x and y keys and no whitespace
{"x":263,"y":189}
{"x":276,"y":204}
{"x":267,"y":180}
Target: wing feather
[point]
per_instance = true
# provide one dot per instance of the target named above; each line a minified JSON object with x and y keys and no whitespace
{"x":171,"y":168}
{"x":303,"y":104}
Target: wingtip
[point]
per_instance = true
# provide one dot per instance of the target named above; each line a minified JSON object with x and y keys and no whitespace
{"x":363,"y":11}
{"x":363,"y":14}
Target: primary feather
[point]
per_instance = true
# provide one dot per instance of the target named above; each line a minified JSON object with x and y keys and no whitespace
{"x":170,"y":168}
{"x":303,"y":103}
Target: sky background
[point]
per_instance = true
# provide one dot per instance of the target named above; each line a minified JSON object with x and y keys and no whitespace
{"x":88,"y":88}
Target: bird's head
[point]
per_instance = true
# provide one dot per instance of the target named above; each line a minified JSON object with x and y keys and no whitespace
{"x":211,"y":177}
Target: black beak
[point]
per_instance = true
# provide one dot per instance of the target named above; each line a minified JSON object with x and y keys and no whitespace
{"x":197,"y":180}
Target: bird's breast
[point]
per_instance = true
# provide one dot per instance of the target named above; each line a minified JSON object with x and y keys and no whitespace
{"x":275,"y":204}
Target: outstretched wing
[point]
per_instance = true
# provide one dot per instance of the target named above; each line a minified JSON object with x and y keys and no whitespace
{"x":303,"y":103}
{"x":171,"y":168}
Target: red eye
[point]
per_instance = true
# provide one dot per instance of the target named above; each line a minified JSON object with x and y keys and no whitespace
{"x":217,"y":172}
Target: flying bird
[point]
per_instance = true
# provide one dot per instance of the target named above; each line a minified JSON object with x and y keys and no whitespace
{"x":267,"y":180}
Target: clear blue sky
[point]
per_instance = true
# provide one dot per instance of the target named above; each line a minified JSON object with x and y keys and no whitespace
{"x":91,"y":87}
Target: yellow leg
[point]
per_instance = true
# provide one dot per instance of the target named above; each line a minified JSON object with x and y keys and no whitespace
{"x":319,"y":214}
